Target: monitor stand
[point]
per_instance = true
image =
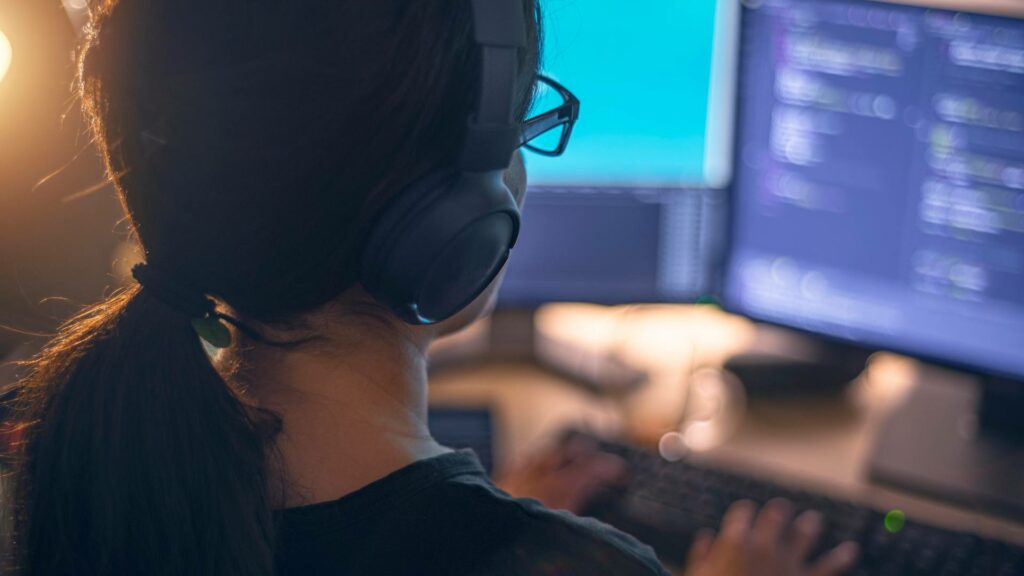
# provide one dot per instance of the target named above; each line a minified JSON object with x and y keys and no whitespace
{"x":959,"y":443}
{"x":784,"y":363}
{"x":511,"y":335}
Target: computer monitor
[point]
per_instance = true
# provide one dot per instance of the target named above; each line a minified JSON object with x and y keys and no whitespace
{"x":879,"y":195}
{"x":879,"y":190}
{"x":631,"y":211}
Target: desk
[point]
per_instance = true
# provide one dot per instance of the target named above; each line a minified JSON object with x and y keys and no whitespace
{"x":820,"y":444}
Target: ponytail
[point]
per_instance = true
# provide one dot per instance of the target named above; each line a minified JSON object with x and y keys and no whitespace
{"x":137,"y":457}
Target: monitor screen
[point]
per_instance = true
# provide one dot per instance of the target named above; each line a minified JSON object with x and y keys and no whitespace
{"x":655,"y":81}
{"x":879,"y":190}
{"x":630,"y":212}
{"x":616,"y":246}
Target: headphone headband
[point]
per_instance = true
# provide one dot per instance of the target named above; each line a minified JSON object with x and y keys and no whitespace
{"x":443,"y":240}
{"x":492,"y":134}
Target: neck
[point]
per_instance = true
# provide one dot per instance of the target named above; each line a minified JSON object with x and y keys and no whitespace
{"x":354,"y":406}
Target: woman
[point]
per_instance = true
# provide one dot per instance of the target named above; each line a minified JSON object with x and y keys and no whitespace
{"x":257,"y":146}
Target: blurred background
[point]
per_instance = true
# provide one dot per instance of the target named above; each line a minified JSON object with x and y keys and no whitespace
{"x":58,"y":221}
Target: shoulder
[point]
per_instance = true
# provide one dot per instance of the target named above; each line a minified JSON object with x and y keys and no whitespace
{"x":549,"y":542}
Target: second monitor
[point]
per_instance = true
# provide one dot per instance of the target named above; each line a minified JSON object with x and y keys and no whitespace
{"x":633,"y":212}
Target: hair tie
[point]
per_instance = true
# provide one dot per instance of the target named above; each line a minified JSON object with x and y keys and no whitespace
{"x":197,"y":306}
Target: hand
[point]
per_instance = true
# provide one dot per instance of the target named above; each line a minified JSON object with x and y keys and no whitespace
{"x":766,"y":544}
{"x":565,"y":477}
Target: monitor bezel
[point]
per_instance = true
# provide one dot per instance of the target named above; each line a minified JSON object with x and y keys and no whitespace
{"x":997,"y":9}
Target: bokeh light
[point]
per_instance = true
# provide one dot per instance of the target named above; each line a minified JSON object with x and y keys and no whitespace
{"x":78,"y":13}
{"x":895,"y":520}
{"x":6,"y":54}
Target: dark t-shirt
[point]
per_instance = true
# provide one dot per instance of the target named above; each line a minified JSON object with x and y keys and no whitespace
{"x":443,"y":516}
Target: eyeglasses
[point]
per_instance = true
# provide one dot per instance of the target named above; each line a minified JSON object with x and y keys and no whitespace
{"x":548,"y":132}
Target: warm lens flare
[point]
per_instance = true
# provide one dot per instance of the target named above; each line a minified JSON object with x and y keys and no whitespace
{"x":5,"y":55}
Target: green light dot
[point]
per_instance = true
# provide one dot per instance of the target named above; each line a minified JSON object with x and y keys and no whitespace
{"x":895,"y":520}
{"x":708,"y":300}
{"x":213,"y":331}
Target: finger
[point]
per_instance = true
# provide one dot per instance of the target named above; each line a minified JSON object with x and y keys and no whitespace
{"x":558,"y":456}
{"x":552,"y":458}
{"x":575,"y":449}
{"x":805,"y":533}
{"x":736,"y":525}
{"x":700,"y":548}
{"x":607,"y":468}
{"x":837,"y":561}
{"x":600,"y":468}
{"x":769,"y":527}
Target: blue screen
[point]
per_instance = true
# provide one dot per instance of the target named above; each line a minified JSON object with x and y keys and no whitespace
{"x":643,"y":72}
{"x":628,"y":214}
{"x":879,"y":193}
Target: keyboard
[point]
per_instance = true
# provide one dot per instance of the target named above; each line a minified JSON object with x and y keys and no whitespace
{"x":664,"y":504}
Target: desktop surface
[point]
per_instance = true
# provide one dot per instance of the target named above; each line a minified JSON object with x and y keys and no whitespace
{"x":879,"y":193}
{"x":820,"y":445}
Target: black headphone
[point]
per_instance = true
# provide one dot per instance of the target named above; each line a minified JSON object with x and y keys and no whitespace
{"x":440,"y":242}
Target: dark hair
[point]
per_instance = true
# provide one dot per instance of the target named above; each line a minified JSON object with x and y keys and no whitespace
{"x":249,"y":141}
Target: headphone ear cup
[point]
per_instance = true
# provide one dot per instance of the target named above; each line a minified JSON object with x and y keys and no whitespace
{"x":439,"y":244}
